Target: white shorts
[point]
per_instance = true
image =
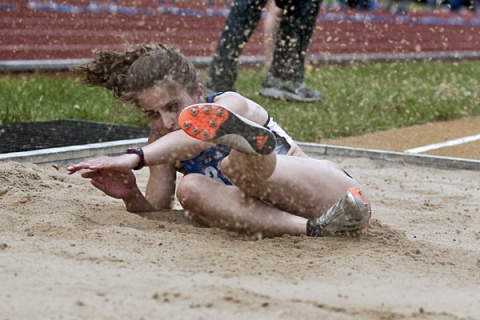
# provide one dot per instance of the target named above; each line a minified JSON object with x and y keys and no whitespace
{"x":284,"y":141}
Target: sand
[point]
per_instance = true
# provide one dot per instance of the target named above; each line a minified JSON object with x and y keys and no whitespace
{"x":69,"y":252}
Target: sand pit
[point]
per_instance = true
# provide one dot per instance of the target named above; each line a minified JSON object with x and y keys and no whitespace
{"x":68,"y":252}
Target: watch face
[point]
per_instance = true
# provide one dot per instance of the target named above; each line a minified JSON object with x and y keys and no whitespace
{"x":136,"y":150}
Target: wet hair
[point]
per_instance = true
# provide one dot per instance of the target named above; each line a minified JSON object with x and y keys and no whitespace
{"x":140,"y":67}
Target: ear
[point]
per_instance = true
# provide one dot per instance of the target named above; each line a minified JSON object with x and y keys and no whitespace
{"x":201,"y":92}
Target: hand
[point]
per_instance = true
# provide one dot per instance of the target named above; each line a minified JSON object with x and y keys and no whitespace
{"x":123,"y":163}
{"x":119,"y":185}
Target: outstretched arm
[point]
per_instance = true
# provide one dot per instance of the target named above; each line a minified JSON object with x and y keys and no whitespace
{"x":177,"y":145}
{"x":173,"y":147}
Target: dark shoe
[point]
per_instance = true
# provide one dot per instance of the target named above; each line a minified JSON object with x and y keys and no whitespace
{"x":277,"y":88}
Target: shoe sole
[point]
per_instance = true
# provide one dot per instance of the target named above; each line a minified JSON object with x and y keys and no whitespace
{"x":212,"y":122}
{"x":285,"y":95}
{"x":362,"y":205}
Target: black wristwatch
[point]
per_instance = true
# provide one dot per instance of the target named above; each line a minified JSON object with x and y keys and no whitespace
{"x":139,"y":152}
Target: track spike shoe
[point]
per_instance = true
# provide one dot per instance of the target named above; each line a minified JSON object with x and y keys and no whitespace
{"x":215,"y":123}
{"x":348,"y":216}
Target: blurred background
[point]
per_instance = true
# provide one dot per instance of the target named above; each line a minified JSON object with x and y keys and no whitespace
{"x":346,"y":29}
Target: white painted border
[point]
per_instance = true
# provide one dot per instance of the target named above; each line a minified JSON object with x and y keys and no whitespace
{"x":444,"y":144}
{"x":315,"y":149}
{"x":72,"y":154}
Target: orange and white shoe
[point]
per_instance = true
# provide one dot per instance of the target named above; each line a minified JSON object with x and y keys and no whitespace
{"x":212,"y":122}
{"x":348,"y":216}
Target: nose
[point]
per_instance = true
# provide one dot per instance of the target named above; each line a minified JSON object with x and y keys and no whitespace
{"x":169,"y":121}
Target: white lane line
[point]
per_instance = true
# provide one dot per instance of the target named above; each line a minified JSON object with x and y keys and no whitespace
{"x":448,"y":143}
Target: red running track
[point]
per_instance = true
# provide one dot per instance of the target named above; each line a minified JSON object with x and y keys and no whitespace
{"x":27,"y":34}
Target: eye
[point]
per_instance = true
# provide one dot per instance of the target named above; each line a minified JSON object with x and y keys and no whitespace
{"x":153,"y":115}
{"x":172,"y":107}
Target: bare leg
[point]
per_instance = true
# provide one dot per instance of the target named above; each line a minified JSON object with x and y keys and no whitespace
{"x":302,"y":186}
{"x":296,"y":188}
{"x":217,"y":205}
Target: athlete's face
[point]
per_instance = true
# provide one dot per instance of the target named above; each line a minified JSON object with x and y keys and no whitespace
{"x":162,"y":106}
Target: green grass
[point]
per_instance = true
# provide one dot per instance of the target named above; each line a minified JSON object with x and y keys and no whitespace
{"x":43,"y":98}
{"x":357,"y":98}
{"x":366,"y":98}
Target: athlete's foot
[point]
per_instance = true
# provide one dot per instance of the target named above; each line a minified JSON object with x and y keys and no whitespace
{"x":212,"y":122}
{"x":348,"y":216}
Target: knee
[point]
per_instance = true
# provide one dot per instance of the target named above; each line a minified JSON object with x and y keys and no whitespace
{"x":189,"y":194}
{"x":188,"y":190}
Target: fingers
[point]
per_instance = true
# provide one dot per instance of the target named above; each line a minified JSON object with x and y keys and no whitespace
{"x":122,"y":163}
{"x":80,"y":166}
{"x":115,"y":184}
{"x":108,"y":174}
{"x":94,"y":164}
{"x":91,"y":174}
{"x":98,"y":185}
{"x":77,"y":167}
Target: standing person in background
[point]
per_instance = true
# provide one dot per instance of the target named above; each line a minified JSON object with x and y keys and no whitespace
{"x":270,"y":29}
{"x":286,"y":75}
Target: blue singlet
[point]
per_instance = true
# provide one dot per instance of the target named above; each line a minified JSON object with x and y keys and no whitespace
{"x":208,"y":162}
